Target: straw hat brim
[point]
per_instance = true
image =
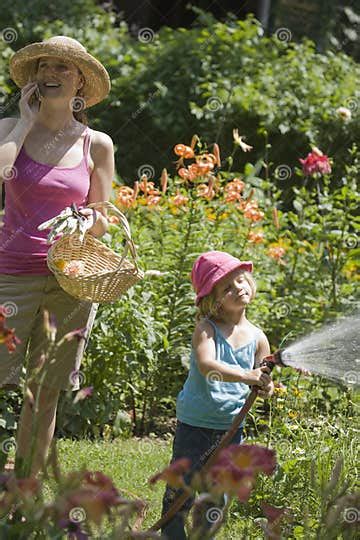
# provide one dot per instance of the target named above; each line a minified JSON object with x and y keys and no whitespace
{"x":97,"y":81}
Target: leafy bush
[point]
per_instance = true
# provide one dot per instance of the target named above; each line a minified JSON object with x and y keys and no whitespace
{"x":304,"y":262}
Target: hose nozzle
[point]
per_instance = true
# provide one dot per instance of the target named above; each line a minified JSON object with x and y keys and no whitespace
{"x":273,"y":360}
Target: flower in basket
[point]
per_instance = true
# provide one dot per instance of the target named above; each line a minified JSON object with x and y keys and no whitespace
{"x":74,"y":268}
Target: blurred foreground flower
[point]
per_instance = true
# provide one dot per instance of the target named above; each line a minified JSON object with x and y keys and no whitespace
{"x":174,"y":473}
{"x":7,"y":335}
{"x":237,"y":467}
{"x":315,"y":162}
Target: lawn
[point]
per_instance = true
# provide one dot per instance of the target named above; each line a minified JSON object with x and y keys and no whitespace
{"x":306,"y":452}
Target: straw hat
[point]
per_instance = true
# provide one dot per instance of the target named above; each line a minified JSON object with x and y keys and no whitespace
{"x":97,"y":80}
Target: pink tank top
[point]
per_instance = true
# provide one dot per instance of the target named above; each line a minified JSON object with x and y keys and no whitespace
{"x":37,"y":193}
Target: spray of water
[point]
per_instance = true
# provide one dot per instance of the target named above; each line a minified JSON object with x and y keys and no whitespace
{"x":333,"y":351}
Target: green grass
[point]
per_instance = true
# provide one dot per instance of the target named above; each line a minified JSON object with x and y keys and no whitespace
{"x":306,"y":456}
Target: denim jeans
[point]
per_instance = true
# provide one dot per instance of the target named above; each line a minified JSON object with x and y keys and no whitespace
{"x":197,"y":444}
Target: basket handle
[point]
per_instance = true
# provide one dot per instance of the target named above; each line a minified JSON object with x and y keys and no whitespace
{"x":129,"y":246}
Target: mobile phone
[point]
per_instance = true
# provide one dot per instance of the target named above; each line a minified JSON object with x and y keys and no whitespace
{"x":35,"y":97}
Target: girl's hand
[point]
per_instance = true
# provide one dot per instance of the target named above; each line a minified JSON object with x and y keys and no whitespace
{"x":29,"y":111}
{"x":258,"y":377}
{"x":266,"y":391}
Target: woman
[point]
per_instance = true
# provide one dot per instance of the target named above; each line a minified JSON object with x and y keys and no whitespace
{"x":48,"y":159}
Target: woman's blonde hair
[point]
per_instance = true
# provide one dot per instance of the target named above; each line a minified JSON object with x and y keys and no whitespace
{"x":208,"y":306}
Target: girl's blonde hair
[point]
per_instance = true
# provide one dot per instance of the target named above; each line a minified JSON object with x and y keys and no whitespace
{"x":208,"y":306}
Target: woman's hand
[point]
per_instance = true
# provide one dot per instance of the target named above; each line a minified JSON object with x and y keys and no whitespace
{"x":29,"y":111}
{"x":91,"y":215}
{"x":97,"y":222}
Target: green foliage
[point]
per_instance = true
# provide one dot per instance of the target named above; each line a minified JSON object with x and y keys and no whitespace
{"x":208,"y":79}
{"x":305,"y":268}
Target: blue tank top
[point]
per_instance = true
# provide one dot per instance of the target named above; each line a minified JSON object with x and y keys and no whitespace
{"x":207,"y":401}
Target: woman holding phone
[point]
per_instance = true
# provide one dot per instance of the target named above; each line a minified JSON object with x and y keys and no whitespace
{"x":49,"y":158}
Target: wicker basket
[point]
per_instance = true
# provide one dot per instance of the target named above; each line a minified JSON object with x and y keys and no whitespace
{"x":106,"y":275}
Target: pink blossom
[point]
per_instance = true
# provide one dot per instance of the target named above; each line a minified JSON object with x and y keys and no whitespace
{"x":315,"y":162}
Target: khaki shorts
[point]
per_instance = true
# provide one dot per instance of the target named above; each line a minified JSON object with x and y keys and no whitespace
{"x":25,"y":298}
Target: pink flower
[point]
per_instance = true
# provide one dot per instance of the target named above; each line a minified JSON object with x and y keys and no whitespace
{"x":237,"y":466}
{"x":74,"y":268}
{"x":315,"y":162}
{"x":174,"y":473}
{"x":274,"y":515}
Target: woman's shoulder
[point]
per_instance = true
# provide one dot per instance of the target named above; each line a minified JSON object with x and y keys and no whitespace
{"x":100,"y":139}
{"x":7,"y":124}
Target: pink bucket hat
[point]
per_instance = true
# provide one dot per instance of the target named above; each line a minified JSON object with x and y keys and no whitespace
{"x":212,"y":266}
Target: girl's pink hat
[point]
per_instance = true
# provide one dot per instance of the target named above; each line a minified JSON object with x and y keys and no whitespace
{"x":212,"y":266}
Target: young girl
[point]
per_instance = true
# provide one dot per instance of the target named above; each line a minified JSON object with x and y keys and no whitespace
{"x":226,"y":347}
{"x":49,"y":158}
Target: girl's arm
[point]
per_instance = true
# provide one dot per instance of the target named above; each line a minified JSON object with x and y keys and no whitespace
{"x":102,"y":153}
{"x":262,"y":350}
{"x":205,"y":353}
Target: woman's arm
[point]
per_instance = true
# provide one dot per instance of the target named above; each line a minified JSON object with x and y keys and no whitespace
{"x":102,"y":153}
{"x":13,"y":131}
{"x":205,"y":353}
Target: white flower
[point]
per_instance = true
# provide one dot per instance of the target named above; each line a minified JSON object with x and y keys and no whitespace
{"x":238,"y":139}
{"x":344,"y":113}
{"x":155,"y":273}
